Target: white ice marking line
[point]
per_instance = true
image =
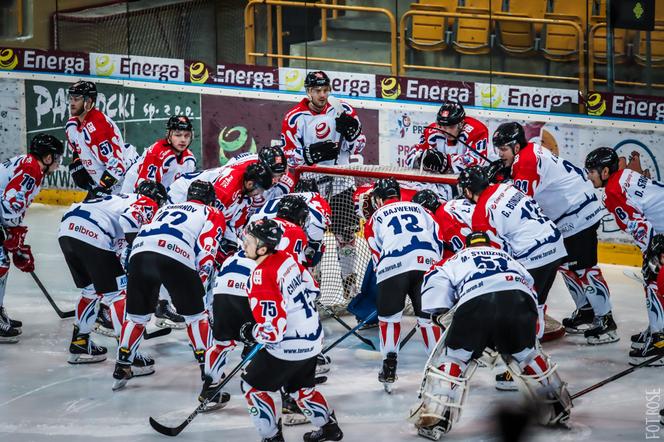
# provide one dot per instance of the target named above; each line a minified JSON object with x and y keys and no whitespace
{"x":43,"y":387}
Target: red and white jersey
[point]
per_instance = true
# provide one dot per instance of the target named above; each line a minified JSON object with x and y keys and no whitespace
{"x":459,"y":157}
{"x":20,"y":182}
{"x":177,"y":191}
{"x":560,"y":188}
{"x":231,"y":199}
{"x":282,"y":297}
{"x":363,"y":192}
{"x":293,"y":241}
{"x":98,"y":142}
{"x":470,"y":273}
{"x":188,"y":232}
{"x":303,"y":127}
{"x":103,"y":222}
{"x":637,"y":203}
{"x":402,"y":236}
{"x":515,"y":222}
{"x":660,"y":282}
{"x":159,"y":163}
{"x":454,"y":218}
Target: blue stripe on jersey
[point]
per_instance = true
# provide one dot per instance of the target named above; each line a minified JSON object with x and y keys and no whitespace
{"x":162,"y":230}
{"x":589,"y":199}
{"x":310,"y":337}
{"x":78,"y":212}
{"x":234,"y":267}
{"x":295,"y":116}
{"x":130,"y":221}
{"x":486,"y":273}
{"x":550,"y":240}
{"x":415,"y":244}
{"x":169,"y":161}
{"x":317,"y":215}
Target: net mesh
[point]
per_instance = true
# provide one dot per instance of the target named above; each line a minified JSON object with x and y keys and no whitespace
{"x":347,"y":254}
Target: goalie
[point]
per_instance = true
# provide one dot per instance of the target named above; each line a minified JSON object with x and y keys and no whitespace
{"x":486,"y":286}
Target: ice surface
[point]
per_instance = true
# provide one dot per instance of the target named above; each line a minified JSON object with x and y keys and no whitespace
{"x":42,"y":398}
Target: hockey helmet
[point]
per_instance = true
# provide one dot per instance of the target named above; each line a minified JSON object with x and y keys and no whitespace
{"x":316,"y":79}
{"x":602,"y":157}
{"x":202,"y":191}
{"x":293,"y":208}
{"x":474,"y":179}
{"x":386,"y":188}
{"x":259,"y":174}
{"x":267,"y":232}
{"x":273,"y":158}
{"x":85,"y":89}
{"x":306,"y":185}
{"x":509,"y":134}
{"x":450,"y":114}
{"x":179,"y":122}
{"x":44,"y":144}
{"x":428,"y":199}
{"x":153,"y":190}
{"x":655,"y":249}
{"x":477,"y":238}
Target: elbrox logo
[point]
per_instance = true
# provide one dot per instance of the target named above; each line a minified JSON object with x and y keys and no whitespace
{"x":322,"y":130}
{"x":420,"y":259}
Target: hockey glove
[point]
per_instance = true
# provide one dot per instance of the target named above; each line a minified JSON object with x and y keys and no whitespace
{"x":434,"y":161}
{"x":79,"y":174}
{"x":321,"y":151}
{"x":247,"y":333}
{"x":497,"y":172}
{"x":106,"y":182}
{"x":23,"y":259}
{"x":15,"y":236}
{"x":226,"y":248}
{"x":348,"y":127}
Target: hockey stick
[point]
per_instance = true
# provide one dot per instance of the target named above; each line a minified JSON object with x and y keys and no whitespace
{"x":408,"y":336}
{"x":348,"y":333}
{"x":174,"y":431}
{"x":617,"y":376}
{"x":63,"y":315}
{"x":346,"y":326}
{"x":634,"y":276}
{"x":481,"y":155}
{"x":156,"y":333}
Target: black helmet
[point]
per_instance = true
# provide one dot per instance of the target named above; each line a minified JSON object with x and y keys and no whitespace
{"x":84,"y":88}
{"x":428,"y":199}
{"x":306,"y":185}
{"x":179,"y":122}
{"x":43,"y":144}
{"x":202,"y":191}
{"x":602,"y":157}
{"x":474,"y":179}
{"x":259,"y":174}
{"x":386,"y":188}
{"x":266,"y":231}
{"x":273,"y":158}
{"x":153,"y":190}
{"x":450,"y":114}
{"x":316,"y":78}
{"x":655,"y":249}
{"x":477,"y":238}
{"x":293,"y":208}
{"x":509,"y":133}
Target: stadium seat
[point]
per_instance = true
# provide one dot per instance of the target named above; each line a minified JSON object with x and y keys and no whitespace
{"x":515,"y":38}
{"x":560,"y":41}
{"x":471,"y":35}
{"x":599,"y":42}
{"x":428,"y":33}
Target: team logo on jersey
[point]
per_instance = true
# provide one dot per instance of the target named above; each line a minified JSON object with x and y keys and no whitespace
{"x":161,"y":243}
{"x":423,"y":260}
{"x":322,"y":130}
{"x":257,"y":276}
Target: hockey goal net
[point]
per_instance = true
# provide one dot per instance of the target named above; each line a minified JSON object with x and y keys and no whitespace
{"x":347,"y":256}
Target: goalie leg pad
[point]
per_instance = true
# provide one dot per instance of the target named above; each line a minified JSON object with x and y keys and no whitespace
{"x":539,"y":381}
{"x":390,"y":333}
{"x":443,"y":394}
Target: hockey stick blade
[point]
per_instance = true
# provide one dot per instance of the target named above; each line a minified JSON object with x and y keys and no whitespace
{"x":156,"y":333}
{"x":174,"y":431}
{"x":617,"y":376}
{"x":633,"y":276}
{"x":346,"y":326}
{"x":63,"y":315}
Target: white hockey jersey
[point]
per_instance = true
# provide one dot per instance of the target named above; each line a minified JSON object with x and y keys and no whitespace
{"x":560,"y":188}
{"x":402,"y":236}
{"x":282,"y":297}
{"x":234,"y":274}
{"x":515,"y":222}
{"x":470,"y":273}
{"x":177,"y":191}
{"x":103,"y":222}
{"x":188,"y":232}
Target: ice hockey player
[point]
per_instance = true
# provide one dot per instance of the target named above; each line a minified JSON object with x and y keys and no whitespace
{"x":492,"y":300}
{"x":177,"y":249}
{"x":405,"y":242}
{"x":166,"y":159}
{"x":21,"y":178}
{"x":636,"y":204}
{"x":568,"y":199}
{"x":231,"y":307}
{"x":317,"y":132}
{"x":100,"y":158}
{"x":454,"y":218}
{"x":92,"y":235}
{"x":282,"y":294}
{"x":441,"y":148}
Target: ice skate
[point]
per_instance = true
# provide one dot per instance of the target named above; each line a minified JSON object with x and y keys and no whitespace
{"x":13,"y":323}
{"x":8,"y":334}
{"x":121,"y":374}
{"x":83,"y":351}
{"x":603,"y":331}
{"x":653,"y":346}
{"x":639,"y":339}
{"x":292,"y":415}
{"x":143,"y":365}
{"x":580,"y":321}
{"x":104,"y":324}
{"x":329,"y":431}
{"x":388,"y":374}
{"x":505,"y":382}
{"x":216,"y":399}
{"x":166,"y":317}
{"x":323,"y":363}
